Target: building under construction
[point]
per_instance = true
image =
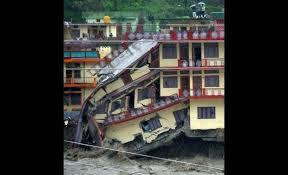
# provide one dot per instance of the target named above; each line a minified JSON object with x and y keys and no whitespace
{"x":151,"y":88}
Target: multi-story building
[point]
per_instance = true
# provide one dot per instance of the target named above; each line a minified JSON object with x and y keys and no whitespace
{"x":162,"y":85}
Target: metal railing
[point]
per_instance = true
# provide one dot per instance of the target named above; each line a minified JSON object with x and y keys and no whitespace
{"x":207,"y":62}
{"x":74,"y":82}
{"x":200,"y":32}
{"x":212,"y":62}
{"x":207,"y":92}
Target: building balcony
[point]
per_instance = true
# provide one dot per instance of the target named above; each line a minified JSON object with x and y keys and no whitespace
{"x":205,"y":63}
{"x":84,"y":82}
{"x":207,"y":93}
{"x":202,"y":93}
{"x":201,"y":34}
{"x":83,"y":57}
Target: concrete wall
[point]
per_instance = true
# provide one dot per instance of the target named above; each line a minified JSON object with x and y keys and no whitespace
{"x":221,"y":50}
{"x":140,"y":72}
{"x":203,"y":124}
{"x":99,"y":94}
{"x":114,"y":85}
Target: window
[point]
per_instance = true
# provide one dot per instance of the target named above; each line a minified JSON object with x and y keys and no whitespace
{"x":77,"y":74}
{"x":72,"y":89}
{"x":143,"y":94}
{"x":75,"y":99}
{"x":206,"y":112}
{"x":68,"y":73}
{"x":120,"y":103}
{"x":75,"y":33}
{"x":72,"y":99}
{"x":170,"y":73}
{"x":185,"y":72}
{"x":169,"y":51}
{"x":151,"y":125}
{"x":116,"y":105}
{"x":97,"y":20}
{"x":101,"y":108}
{"x":170,"y":82}
{"x":180,"y":116}
{"x":211,"y":50}
{"x":211,"y":71}
{"x":211,"y":81}
{"x":196,"y":71}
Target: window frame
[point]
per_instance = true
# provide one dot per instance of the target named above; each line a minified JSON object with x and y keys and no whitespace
{"x":166,"y":46}
{"x":206,"y":50}
{"x":169,"y":77}
{"x":153,"y":124}
{"x":210,"y":114}
{"x":211,"y":76}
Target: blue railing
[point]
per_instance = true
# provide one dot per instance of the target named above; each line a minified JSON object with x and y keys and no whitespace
{"x":80,"y":54}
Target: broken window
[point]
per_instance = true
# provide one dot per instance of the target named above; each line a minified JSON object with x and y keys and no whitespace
{"x":102,"y":108}
{"x":180,"y":116}
{"x":143,"y":94}
{"x":169,"y":51}
{"x":212,"y":81}
{"x":206,"y":112}
{"x":211,"y":50}
{"x":170,"y":82}
{"x":120,"y":103}
{"x":126,"y":78}
{"x":151,"y":125}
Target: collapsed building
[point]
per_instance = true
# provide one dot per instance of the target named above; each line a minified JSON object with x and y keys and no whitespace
{"x":156,"y":89}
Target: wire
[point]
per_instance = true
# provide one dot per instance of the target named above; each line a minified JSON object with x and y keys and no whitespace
{"x":144,"y":155}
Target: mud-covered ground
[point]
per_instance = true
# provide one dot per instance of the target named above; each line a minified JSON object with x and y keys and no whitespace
{"x":104,"y":166}
{"x":101,"y":162}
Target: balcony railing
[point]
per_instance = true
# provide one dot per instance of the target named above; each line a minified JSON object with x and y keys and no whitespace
{"x":203,"y":33}
{"x":214,"y":62}
{"x":80,"y":82}
{"x":207,"y":92}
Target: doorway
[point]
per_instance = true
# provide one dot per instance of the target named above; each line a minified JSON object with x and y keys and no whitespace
{"x":196,"y":54}
{"x":197,"y":85}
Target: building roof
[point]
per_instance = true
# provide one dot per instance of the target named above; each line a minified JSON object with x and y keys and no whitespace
{"x":134,"y":52}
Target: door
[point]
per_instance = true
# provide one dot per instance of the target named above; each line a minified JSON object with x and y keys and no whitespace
{"x":196,"y":54}
{"x":184,"y":52}
{"x":185,"y":84}
{"x":197,"y":85}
